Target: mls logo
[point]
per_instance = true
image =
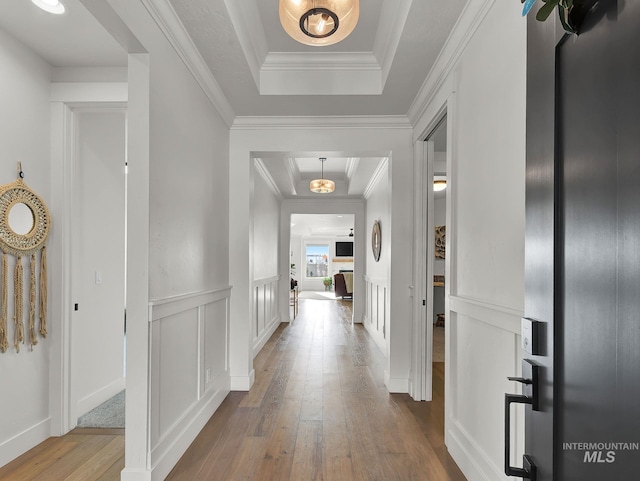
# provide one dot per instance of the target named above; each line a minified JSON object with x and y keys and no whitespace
{"x":599,"y":457}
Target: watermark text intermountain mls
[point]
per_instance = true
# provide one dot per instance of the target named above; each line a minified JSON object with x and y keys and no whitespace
{"x":600,"y":452}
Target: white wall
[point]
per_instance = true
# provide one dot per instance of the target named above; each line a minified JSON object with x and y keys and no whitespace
{"x":265,"y":204}
{"x":188,"y":277}
{"x":24,"y":136}
{"x":98,"y":247}
{"x":377,"y":288}
{"x":485,"y":97}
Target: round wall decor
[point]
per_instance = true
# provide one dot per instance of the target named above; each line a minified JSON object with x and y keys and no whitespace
{"x":24,"y":219}
{"x":376,"y":241}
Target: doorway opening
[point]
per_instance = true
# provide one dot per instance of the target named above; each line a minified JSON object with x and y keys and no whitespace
{"x":322,"y":255}
{"x":438,"y":138}
{"x":98,"y":267}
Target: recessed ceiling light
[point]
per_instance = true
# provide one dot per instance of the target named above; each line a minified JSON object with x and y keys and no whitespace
{"x":51,"y":6}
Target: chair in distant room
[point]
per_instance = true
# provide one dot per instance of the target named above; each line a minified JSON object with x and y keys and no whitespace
{"x":343,"y":285}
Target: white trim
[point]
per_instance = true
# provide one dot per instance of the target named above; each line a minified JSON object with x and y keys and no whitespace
{"x":266,"y":175}
{"x":176,"y":34}
{"x":177,"y":439}
{"x":266,"y":334}
{"x":330,"y":61}
{"x":396,"y":385}
{"x":322,"y":122}
{"x":243,"y":383}
{"x":469,"y":456}
{"x":89,"y":92}
{"x":393,"y":16}
{"x":251,"y":35}
{"x":468,"y":22}
{"x":381,"y":169}
{"x":169,"y":306}
{"x":96,"y":398}
{"x":24,"y":441}
{"x":505,"y":318}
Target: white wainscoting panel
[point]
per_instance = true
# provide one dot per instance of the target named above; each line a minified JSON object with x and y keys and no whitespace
{"x":266,"y":316}
{"x":483,"y":349}
{"x":376,"y":310}
{"x":189,"y":370}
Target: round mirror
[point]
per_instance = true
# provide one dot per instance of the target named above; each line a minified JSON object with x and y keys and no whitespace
{"x":21,"y":219}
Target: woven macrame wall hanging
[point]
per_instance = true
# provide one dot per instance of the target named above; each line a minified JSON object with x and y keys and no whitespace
{"x":24,"y":227}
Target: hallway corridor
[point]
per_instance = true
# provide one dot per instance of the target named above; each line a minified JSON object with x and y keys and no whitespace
{"x":319,"y":411}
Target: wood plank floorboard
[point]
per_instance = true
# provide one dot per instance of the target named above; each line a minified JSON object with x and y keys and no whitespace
{"x":318,"y":411}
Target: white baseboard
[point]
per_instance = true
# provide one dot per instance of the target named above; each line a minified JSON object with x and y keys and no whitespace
{"x":265,"y":336}
{"x":471,"y":460}
{"x":243,"y":383}
{"x":165,"y":456}
{"x":24,"y":441}
{"x":397,"y":384}
{"x":135,"y":475}
{"x":377,"y":336}
{"x":103,"y":394}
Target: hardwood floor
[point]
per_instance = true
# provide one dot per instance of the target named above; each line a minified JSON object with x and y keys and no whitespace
{"x":317,"y":411}
{"x":81,"y":455}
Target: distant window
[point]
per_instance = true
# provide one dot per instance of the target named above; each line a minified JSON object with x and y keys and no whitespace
{"x":317,"y":260}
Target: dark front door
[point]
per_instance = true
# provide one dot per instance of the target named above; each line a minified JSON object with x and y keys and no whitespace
{"x":583,"y":245}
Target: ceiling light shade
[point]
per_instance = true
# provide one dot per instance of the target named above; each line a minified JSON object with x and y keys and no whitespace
{"x":439,"y":185}
{"x":319,"y":22}
{"x":51,"y":6}
{"x":322,"y":185}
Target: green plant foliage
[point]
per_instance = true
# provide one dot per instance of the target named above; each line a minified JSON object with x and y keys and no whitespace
{"x":565,"y":8}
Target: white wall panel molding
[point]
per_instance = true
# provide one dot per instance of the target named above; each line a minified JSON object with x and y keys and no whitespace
{"x":168,"y":306}
{"x":376,"y":311}
{"x":469,"y":455}
{"x":266,"y":315}
{"x":319,"y":122}
{"x":189,"y":359}
{"x":501,"y":317}
{"x":169,"y":23}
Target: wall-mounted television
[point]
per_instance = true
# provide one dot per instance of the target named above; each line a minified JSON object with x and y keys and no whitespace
{"x":344,"y":249}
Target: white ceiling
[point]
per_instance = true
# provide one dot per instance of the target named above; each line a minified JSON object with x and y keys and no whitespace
{"x":291,"y":174}
{"x":246,"y":49}
{"x":377,"y":70}
{"x":74,"y":39}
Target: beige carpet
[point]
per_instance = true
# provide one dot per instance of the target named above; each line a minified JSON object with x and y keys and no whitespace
{"x":438,"y":344}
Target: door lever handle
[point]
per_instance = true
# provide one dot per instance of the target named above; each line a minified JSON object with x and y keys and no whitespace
{"x":520,"y":379}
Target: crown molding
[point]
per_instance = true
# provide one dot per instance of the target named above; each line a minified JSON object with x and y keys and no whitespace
{"x":251,"y":35}
{"x":322,"y":122}
{"x":320,"y":73}
{"x":352,"y":165}
{"x":375,"y":178}
{"x":266,"y":175}
{"x":173,"y":29}
{"x":468,"y":22}
{"x":321,"y":61}
{"x":392,"y":19}
{"x":294,"y":174}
